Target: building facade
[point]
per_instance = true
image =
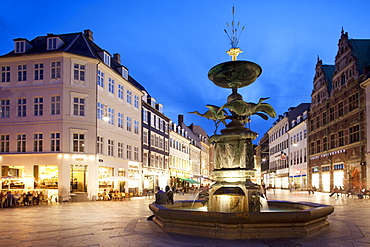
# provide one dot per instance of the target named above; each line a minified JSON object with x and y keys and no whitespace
{"x":70,"y":118}
{"x":337,"y":119}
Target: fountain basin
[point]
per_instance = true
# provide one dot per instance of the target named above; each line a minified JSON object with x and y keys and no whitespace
{"x":284,"y":219}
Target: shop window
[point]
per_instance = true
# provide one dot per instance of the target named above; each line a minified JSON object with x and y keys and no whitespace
{"x":105,"y":174}
{"x":12,"y":177}
{"x":46,"y":176}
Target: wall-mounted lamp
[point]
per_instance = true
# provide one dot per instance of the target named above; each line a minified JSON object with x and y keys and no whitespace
{"x":105,"y":117}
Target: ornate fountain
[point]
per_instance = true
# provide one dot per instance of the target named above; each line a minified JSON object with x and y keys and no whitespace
{"x":234,"y":203}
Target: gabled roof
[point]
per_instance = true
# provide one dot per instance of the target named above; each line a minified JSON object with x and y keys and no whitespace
{"x":361,"y":49}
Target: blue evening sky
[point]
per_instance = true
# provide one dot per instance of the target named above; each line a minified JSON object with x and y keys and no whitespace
{"x":170,"y":45}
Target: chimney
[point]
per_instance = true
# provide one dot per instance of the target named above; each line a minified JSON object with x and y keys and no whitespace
{"x":180,"y":119}
{"x":117,"y":57}
{"x":89,"y":34}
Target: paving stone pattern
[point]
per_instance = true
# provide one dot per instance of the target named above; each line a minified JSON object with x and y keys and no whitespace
{"x":123,"y":223}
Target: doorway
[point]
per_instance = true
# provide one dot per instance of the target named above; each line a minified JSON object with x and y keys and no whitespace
{"x":78,"y":178}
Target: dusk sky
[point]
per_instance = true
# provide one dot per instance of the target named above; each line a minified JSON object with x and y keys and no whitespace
{"x":169,"y":46}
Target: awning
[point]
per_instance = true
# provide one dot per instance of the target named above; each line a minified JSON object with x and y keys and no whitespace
{"x":189,"y":180}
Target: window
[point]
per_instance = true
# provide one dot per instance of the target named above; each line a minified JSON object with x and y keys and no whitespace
{"x":318,"y":146}
{"x":325,"y":144}
{"x":145,"y":137}
{"x":79,"y":72}
{"x":136,"y":127}
{"x":106,"y":58}
{"x":4,"y":143}
{"x":343,"y":79}
{"x":331,"y":113}
{"x":5,"y":108}
{"x":37,"y":142}
{"x":20,"y":46}
{"x":125,"y":73}
{"x":100,"y":78}
{"x":55,"y":70}
{"x":341,"y":138}
{"x":340,"y":109}
{"x":99,"y":144}
{"x":22,"y":72}
{"x":55,"y":141}
{"x":120,"y":91}
{"x":128,"y":149}
{"x":110,"y":147}
{"x":78,"y":106}
{"x":136,"y":153}
{"x":145,"y":159}
{"x":111,"y":115}
{"x":165,"y":144}
{"x":100,"y":110}
{"x":38,"y":106}
{"x":52,"y":43}
{"x":111,"y":85}
{"x":120,"y":120}
{"x":354,"y":133}
{"x":324,"y":118}
{"x":21,"y":143}
{"x":39,"y":71}
{"x":129,"y":95}
{"x":136,"y":101}
{"x":160,"y":142}
{"x":353,"y":102}
{"x":339,"y":167}
{"x":128,"y":123}
{"x":145,"y":116}
{"x":332,"y":141}
{"x":78,"y":142}
{"x":5,"y":74}
{"x":55,"y":105}
{"x":120,"y":150}
{"x":325,"y":168}
{"x":305,"y":134}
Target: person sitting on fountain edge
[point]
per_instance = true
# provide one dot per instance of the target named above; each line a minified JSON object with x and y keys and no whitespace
{"x":169,"y":195}
{"x":160,"y":197}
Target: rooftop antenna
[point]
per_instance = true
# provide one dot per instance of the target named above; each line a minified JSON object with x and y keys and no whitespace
{"x":234,"y":36}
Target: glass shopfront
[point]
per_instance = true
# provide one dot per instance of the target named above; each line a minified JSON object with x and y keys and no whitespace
{"x":78,"y":178}
{"x":12,"y":177}
{"x":326,"y":182}
{"x":46,"y":176}
{"x":105,"y":174}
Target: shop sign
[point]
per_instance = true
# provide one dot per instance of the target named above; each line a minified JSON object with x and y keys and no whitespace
{"x":79,"y":159}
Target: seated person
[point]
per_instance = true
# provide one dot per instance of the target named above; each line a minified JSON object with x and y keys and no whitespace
{"x":160,"y":197}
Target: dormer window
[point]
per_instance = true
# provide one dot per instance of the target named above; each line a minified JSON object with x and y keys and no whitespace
{"x":106,"y":58}
{"x":20,"y":46}
{"x":125,"y":73}
{"x":53,"y":43}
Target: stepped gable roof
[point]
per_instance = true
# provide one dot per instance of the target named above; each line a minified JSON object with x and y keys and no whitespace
{"x":361,"y":49}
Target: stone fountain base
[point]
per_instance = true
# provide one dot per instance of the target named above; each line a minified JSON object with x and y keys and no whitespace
{"x":292,"y":219}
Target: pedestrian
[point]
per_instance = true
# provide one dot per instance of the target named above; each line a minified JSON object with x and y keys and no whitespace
{"x":335,"y":191}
